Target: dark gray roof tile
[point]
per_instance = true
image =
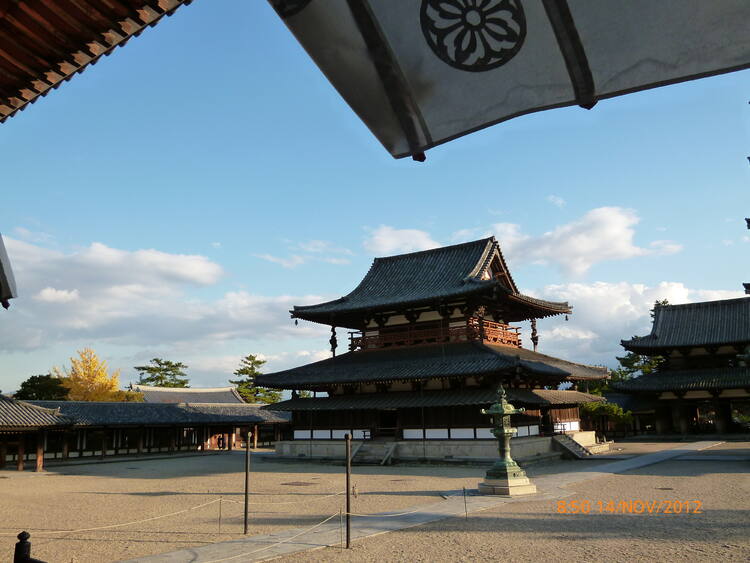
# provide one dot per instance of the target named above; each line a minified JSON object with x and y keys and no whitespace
{"x":153,"y":394}
{"x":153,"y":414}
{"x":688,"y":380}
{"x":375,"y":401}
{"x":419,"y":278}
{"x":458,"y":359}
{"x":709,"y":323}
{"x":23,"y":415}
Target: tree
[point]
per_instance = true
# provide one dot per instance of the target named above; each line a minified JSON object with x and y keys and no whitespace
{"x":88,"y":379}
{"x":163,"y":373}
{"x":250,"y":368}
{"x":45,"y":387}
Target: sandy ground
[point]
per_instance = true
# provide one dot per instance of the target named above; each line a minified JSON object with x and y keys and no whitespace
{"x":292,"y":494}
{"x":284,"y":495}
{"x":535,"y":531}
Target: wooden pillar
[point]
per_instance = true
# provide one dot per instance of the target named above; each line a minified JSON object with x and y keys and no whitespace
{"x":255,"y":437}
{"x":683,"y":420}
{"x":81,"y":440}
{"x":3,"y":452}
{"x":140,"y":441}
{"x":104,"y":443}
{"x":40,"y":436}
{"x":65,"y":445}
{"x":723,"y":415}
{"x":21,"y":452}
{"x":230,"y":439}
{"x":172,"y":440}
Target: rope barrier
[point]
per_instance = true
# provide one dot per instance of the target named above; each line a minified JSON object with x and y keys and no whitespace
{"x":290,"y":502}
{"x":384,"y":515}
{"x":303,"y":532}
{"x":126,"y":523}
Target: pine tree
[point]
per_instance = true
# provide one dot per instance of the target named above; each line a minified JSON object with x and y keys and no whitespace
{"x":45,"y":387}
{"x":250,"y":368}
{"x":163,"y":373}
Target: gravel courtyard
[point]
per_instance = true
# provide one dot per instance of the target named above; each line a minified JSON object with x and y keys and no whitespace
{"x":80,"y":497}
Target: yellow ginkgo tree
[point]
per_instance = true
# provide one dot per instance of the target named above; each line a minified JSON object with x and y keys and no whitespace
{"x":88,"y":379}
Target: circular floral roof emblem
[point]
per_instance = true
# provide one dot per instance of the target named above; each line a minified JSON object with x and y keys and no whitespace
{"x":474,"y":35}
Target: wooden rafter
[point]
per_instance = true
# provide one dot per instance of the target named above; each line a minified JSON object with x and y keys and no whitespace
{"x":45,"y":42}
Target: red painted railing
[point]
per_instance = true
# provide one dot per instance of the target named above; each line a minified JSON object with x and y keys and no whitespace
{"x":474,"y":330}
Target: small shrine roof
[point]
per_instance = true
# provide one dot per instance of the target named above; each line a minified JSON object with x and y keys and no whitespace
{"x":458,"y":359}
{"x":153,"y":394}
{"x":427,"y":277}
{"x":709,"y":323}
{"x":413,"y":399}
{"x":23,"y":415}
{"x":688,"y":380}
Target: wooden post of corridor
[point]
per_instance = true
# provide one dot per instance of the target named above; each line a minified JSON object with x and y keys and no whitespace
{"x":39,"y":451}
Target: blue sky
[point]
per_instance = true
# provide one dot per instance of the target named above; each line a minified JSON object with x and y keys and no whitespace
{"x":178,"y":197}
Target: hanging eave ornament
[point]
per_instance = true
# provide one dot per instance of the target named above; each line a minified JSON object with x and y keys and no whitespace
{"x":7,"y":282}
{"x":423,"y":72}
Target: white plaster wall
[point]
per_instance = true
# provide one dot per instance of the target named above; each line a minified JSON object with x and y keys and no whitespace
{"x":412,"y":433}
{"x":462,"y":433}
{"x":436,"y":433}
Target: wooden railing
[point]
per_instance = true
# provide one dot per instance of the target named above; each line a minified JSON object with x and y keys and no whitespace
{"x":474,"y":330}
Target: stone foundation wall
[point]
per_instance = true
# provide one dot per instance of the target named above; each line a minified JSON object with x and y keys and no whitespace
{"x":522,"y":449}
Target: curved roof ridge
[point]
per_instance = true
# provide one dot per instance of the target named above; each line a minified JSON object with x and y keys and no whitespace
{"x":698,"y":304}
{"x":435,"y":250}
{"x":181,"y":389}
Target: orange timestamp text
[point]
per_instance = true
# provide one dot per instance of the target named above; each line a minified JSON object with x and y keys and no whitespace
{"x":630,"y":507}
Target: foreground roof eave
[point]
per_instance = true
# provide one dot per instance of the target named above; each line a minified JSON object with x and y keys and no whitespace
{"x":87,"y":35}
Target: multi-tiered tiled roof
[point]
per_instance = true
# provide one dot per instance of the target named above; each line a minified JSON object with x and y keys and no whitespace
{"x":439,"y":276}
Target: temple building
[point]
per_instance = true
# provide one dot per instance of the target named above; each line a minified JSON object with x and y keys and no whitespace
{"x":58,"y":431}
{"x":703,"y":385}
{"x":430,"y":338}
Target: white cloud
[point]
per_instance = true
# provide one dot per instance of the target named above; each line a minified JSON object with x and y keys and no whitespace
{"x":386,"y":240}
{"x":318,"y":246}
{"x":52,"y":295}
{"x":310,"y":251}
{"x":604,"y":233}
{"x":605,"y":313}
{"x":292,"y":262}
{"x":33,"y":236}
{"x":664,"y":247}
{"x":216,"y":244}
{"x":557,"y":201}
{"x":138,"y":298}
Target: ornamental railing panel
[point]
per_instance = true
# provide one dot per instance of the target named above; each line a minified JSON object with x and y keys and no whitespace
{"x":474,"y":331}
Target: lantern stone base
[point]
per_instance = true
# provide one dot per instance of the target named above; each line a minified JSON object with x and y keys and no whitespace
{"x":507,"y":487}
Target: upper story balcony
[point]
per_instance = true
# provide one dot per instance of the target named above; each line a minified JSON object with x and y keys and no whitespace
{"x":473,"y":330}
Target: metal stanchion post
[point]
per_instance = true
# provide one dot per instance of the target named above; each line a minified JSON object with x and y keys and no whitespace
{"x":466,"y":510}
{"x":348,"y":438}
{"x":247,"y":476}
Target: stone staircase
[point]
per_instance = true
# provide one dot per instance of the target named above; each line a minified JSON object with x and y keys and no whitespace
{"x":373,"y":452}
{"x":569,"y":446}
